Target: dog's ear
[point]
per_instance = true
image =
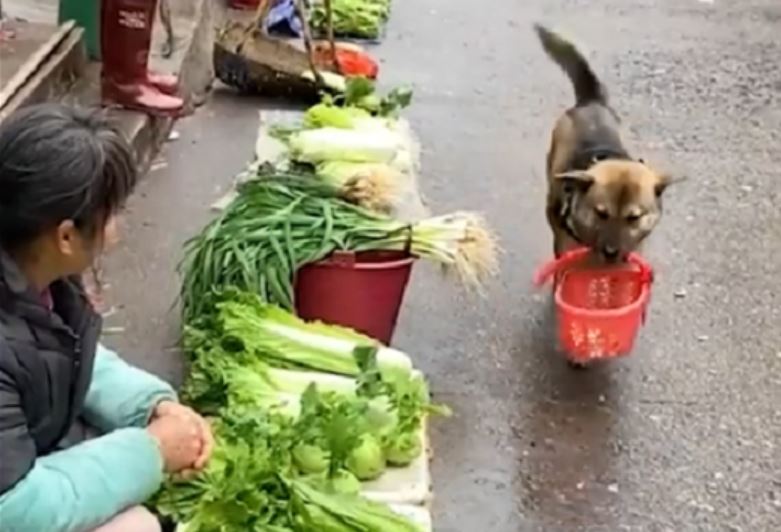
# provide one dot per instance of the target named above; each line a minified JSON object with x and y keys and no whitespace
{"x":664,"y":181}
{"x":576,"y":179}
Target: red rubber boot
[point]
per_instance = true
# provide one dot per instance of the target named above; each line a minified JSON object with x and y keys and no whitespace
{"x":165,"y":83}
{"x":126,"y":36}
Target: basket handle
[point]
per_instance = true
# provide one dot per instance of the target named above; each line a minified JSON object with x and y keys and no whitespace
{"x":567,"y":259}
{"x":646,"y":271}
{"x":550,"y":269}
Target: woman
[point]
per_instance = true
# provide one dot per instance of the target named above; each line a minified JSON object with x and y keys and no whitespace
{"x":64,"y":176}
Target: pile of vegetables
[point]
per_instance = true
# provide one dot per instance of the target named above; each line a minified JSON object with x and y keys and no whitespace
{"x":252,"y":355}
{"x":280,"y":223}
{"x":305,"y":411}
{"x":363,"y":19}
{"x":358,"y":144}
{"x":349,"y":155}
{"x":251,"y":484}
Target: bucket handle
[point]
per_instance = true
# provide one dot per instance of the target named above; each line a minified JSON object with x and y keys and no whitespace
{"x":567,"y":259}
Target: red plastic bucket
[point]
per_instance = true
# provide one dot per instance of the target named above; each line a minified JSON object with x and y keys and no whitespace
{"x":600,"y":310}
{"x":362,"y":291}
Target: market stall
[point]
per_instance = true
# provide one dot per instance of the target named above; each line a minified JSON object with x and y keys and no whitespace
{"x":290,"y":298}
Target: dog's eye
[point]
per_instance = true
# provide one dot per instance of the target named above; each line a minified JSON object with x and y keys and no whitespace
{"x":602,"y":213}
{"x":633,"y":218}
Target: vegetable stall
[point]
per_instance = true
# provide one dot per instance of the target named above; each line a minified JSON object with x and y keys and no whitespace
{"x":320,"y":424}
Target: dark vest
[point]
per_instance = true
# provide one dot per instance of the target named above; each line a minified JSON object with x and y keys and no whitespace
{"x":46,"y":357}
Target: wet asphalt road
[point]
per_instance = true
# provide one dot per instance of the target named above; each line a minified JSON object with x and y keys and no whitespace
{"x":685,"y":434}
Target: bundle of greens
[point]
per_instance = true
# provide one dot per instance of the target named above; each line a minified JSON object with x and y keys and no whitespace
{"x":280,"y":223}
{"x":253,"y":357}
{"x":363,"y":19}
{"x":283,"y":339}
{"x":357,"y":144}
{"x":251,"y":484}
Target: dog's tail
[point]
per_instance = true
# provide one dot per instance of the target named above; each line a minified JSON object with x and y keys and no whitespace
{"x":588,"y":88}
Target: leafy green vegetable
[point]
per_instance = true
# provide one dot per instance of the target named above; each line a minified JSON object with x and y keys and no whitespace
{"x":330,"y":115}
{"x":241,"y":368}
{"x":250,"y":485}
{"x":361,"y":514}
{"x":359,"y":89}
{"x":292,"y":444}
{"x":337,"y":144}
{"x":280,"y":337}
{"x":352,"y":18}
{"x":243,"y":486}
{"x":396,"y":100}
{"x":360,"y":92}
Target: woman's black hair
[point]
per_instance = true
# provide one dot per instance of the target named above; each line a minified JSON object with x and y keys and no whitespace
{"x":60,"y":163}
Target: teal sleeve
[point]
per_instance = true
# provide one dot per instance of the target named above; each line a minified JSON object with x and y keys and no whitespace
{"x":121,"y":395}
{"x":83,"y":487}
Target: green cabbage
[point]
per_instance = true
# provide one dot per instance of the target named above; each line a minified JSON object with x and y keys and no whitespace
{"x":334,"y":144}
{"x":329,"y":115}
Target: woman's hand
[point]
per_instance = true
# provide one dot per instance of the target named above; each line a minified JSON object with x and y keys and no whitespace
{"x":179,"y":441}
{"x":173,"y":409}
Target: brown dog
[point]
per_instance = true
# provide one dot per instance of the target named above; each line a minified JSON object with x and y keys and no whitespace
{"x":598,"y":196}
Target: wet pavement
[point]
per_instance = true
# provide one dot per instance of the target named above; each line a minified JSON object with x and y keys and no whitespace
{"x":683,"y":435}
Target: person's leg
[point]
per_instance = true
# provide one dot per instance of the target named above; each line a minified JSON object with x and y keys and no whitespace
{"x":136,"y":519}
{"x":126,"y":36}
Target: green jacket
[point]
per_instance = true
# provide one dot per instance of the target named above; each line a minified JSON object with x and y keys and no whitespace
{"x":82,"y":487}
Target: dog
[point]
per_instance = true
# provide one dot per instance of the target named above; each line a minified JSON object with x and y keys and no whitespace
{"x":598,"y":195}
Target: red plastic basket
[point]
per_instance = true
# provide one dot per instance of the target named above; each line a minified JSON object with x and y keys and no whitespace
{"x":600,"y":310}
